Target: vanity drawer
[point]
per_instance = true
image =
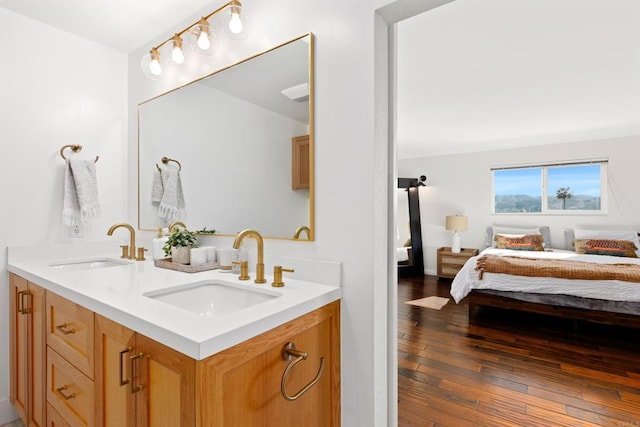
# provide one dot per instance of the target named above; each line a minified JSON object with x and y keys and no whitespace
{"x":69,"y":391}
{"x":54,"y":419}
{"x":70,"y":332}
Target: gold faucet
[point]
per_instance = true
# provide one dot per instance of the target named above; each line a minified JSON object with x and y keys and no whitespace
{"x":132,"y":242}
{"x":174,"y":224}
{"x":299,"y":231}
{"x":260,"y":265}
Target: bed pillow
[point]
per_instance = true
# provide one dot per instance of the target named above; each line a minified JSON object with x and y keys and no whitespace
{"x":522,"y":242}
{"x":631,"y":236}
{"x":493,"y":231}
{"x":621,"y":248}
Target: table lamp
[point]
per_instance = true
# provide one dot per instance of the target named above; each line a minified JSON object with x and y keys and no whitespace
{"x":456,"y":223}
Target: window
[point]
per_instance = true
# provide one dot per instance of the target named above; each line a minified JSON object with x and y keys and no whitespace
{"x":567,"y":188}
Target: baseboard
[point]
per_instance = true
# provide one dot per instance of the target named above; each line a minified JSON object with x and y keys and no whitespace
{"x":7,"y":413}
{"x":430,"y":272}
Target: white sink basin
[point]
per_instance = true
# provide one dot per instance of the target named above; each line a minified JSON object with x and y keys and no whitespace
{"x":89,"y":264}
{"x":211,"y":299}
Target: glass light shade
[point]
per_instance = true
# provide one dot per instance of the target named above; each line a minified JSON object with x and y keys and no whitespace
{"x":201,"y":37}
{"x":177,"y":51}
{"x":152,"y":64}
{"x":238,"y":25}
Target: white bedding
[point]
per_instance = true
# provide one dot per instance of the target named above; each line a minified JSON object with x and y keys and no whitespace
{"x":616,"y":290}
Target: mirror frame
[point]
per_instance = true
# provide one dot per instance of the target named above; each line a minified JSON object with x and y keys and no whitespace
{"x":311,"y":82}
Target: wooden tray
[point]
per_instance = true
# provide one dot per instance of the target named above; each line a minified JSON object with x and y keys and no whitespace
{"x":187,"y":268}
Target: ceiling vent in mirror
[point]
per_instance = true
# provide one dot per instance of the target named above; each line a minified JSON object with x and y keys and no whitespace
{"x":299,"y":93}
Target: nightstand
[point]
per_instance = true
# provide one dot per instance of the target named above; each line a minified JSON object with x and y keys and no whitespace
{"x":449,"y":263}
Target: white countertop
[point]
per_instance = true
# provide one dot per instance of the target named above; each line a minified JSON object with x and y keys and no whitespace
{"x":117,"y":292}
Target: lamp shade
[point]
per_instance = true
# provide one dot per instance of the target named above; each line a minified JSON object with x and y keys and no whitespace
{"x":456,"y":222}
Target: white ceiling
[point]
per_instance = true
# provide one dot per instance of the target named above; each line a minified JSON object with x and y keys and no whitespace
{"x":478,"y":75}
{"x":124,"y":25}
{"x":471,"y":74}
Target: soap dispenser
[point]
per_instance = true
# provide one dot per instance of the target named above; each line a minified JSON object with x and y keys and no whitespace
{"x":158,"y":243}
{"x":239,"y":255}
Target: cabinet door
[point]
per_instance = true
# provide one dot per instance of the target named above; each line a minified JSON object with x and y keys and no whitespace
{"x":167,"y":381}
{"x":243,"y":384}
{"x":115,"y":400}
{"x":27,"y":350}
{"x":19,"y":393}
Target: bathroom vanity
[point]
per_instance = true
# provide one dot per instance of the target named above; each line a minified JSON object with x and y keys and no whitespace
{"x":119,"y":344}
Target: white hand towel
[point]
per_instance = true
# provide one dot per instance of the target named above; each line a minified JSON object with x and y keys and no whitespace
{"x":159,"y":178}
{"x":172,"y":205}
{"x":80,"y":201}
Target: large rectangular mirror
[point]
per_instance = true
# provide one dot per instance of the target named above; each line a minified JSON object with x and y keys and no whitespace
{"x":243,"y":140}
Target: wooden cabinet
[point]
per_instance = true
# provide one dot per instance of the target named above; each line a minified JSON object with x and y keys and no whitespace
{"x":300,"y":162}
{"x":140,"y":382}
{"x":240,"y":386}
{"x":27,"y":350}
{"x":450,"y":263}
{"x":244,"y":382}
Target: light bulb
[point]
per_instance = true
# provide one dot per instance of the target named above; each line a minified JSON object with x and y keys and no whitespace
{"x":235,"y":24}
{"x":204,"y":42}
{"x":177,"y":55}
{"x":155,"y":67}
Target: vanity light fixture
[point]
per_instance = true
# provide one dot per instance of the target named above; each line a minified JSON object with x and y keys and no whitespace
{"x":200,"y":36}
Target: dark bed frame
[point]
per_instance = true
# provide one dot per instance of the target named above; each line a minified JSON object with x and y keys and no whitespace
{"x":479,"y":299}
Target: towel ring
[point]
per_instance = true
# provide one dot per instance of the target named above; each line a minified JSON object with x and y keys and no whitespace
{"x":166,"y":160}
{"x":75,"y":148}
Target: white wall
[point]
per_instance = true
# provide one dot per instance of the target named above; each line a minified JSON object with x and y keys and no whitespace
{"x":345,"y":159}
{"x":461,"y":184}
{"x":55,"y":89}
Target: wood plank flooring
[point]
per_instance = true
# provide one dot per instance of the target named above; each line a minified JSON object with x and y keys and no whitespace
{"x":512,"y":369}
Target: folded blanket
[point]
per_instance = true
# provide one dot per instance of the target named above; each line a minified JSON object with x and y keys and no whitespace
{"x":80,"y":200}
{"x":564,"y":269}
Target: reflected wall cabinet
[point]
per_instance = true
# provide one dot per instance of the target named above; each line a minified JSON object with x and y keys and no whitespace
{"x":300,"y":161}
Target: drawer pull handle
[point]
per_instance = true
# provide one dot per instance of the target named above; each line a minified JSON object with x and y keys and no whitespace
{"x":59,"y":392}
{"x":63,"y":329}
{"x":123,"y":381}
{"x":132,"y":359}
{"x":22,"y":307}
{"x":289,"y":352}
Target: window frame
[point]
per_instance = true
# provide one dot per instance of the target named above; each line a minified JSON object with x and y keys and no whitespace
{"x":544,"y":167}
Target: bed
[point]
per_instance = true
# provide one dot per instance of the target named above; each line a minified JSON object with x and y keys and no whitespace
{"x":606,"y":300}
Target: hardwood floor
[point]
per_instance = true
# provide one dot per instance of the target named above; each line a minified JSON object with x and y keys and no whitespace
{"x":512,"y":369}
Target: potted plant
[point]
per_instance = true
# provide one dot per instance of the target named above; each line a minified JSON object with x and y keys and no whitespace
{"x":179,"y":245}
